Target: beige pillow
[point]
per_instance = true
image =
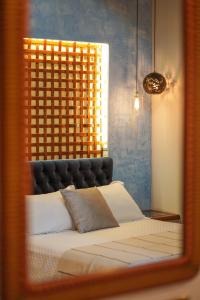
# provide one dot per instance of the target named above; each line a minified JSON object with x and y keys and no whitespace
{"x":88,"y":209}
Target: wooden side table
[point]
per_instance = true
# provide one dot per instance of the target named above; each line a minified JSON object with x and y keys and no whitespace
{"x":162,"y":216}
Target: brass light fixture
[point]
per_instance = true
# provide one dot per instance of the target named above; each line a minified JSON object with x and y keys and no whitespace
{"x":154,"y":83}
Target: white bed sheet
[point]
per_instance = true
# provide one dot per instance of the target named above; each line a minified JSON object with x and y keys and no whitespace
{"x":46,"y":250}
{"x":58,"y":243}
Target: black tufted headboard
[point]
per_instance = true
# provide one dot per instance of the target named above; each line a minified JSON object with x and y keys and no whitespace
{"x":52,"y":175}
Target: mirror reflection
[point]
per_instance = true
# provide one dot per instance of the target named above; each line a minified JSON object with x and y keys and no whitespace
{"x":104,"y":149}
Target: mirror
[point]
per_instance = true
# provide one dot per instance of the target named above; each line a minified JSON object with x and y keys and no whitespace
{"x":67,"y":62}
{"x":15,"y":175}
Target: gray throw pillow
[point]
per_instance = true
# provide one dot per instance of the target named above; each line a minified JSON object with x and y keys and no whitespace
{"x":88,"y":209}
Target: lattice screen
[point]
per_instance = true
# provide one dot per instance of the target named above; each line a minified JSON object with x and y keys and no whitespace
{"x":63,"y":99}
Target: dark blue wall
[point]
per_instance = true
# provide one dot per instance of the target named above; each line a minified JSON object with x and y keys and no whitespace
{"x":112,"y":22}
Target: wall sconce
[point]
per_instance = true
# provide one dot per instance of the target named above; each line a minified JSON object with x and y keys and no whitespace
{"x":154,"y":83}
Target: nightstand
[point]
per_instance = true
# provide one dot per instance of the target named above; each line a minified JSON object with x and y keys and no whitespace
{"x":162,"y":216}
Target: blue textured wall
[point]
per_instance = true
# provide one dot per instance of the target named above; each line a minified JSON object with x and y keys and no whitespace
{"x":112,"y":22}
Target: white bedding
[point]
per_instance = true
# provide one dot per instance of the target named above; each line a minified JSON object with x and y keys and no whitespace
{"x":58,"y":243}
{"x":46,"y":249}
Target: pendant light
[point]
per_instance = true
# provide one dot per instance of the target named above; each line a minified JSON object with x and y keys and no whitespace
{"x":154,"y":83}
{"x":136,"y":98}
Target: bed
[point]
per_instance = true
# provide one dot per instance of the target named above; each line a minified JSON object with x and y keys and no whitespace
{"x":69,"y":253}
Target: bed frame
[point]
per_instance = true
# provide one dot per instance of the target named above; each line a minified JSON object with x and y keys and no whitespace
{"x":51,"y":175}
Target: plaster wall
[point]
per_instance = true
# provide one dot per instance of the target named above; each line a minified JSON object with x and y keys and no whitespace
{"x":168,"y":110}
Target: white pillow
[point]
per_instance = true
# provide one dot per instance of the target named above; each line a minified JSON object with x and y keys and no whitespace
{"x":47,"y":213}
{"x":122,"y":205}
{"x":117,"y":181}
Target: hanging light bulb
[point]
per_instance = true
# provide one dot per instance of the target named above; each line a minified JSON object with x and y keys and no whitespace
{"x":136,"y":102}
{"x":136,"y":98}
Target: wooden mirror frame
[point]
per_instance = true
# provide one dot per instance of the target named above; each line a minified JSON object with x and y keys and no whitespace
{"x":14,"y":183}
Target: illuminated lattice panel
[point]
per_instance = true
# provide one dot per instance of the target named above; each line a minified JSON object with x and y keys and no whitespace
{"x":62,"y":99}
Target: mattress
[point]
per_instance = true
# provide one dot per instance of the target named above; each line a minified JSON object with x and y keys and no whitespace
{"x":50,"y":256}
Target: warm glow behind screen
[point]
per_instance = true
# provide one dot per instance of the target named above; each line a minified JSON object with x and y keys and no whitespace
{"x":66,"y":91}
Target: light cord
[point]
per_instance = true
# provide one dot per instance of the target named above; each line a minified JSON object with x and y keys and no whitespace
{"x":154,"y":39}
{"x":137,"y":23}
